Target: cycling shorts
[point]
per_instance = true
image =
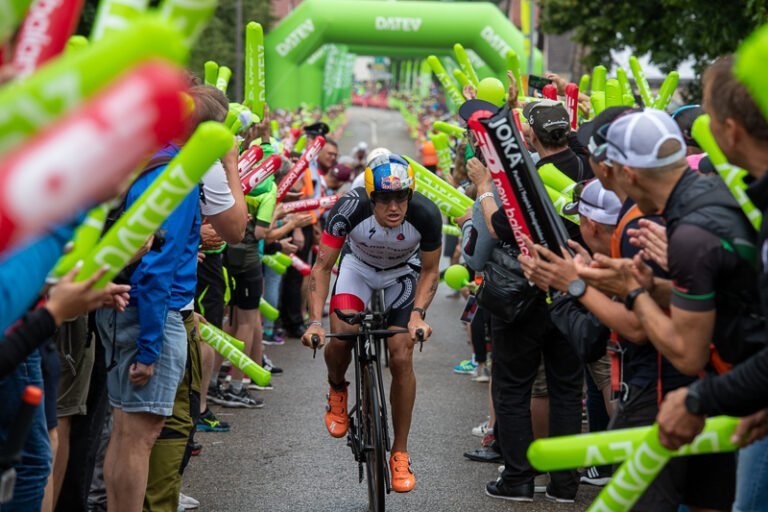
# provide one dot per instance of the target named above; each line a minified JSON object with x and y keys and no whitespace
{"x":357,"y":281}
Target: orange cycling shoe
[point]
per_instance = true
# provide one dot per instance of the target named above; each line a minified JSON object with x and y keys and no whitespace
{"x":403,"y":479}
{"x":336,"y":417}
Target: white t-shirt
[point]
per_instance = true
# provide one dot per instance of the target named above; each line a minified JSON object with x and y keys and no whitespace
{"x":217,"y":196}
{"x":359,"y":181}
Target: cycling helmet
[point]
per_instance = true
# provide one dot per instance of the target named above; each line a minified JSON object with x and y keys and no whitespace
{"x":375,"y":153}
{"x":388,"y":173}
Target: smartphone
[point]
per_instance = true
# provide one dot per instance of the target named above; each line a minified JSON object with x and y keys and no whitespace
{"x":536,"y":84}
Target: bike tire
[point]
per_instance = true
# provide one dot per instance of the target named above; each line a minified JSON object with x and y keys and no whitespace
{"x":373,"y":438}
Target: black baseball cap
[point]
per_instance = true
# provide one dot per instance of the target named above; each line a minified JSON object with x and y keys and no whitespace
{"x":470,"y":107}
{"x":684,"y":117}
{"x":590,"y":135}
{"x":317,"y":129}
{"x":547,"y":116}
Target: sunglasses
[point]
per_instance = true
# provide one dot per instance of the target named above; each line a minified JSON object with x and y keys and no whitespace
{"x":579,"y":189}
{"x":600,"y":152}
{"x":399,"y":196}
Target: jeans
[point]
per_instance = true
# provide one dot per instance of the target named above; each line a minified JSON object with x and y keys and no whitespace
{"x":35,"y":466}
{"x":752,"y":478}
{"x":272,"y":282}
{"x":517,"y":351}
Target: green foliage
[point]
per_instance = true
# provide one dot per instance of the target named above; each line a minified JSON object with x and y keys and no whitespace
{"x":671,"y":31}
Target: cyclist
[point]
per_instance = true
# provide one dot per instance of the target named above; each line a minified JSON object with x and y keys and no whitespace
{"x":393,"y":241}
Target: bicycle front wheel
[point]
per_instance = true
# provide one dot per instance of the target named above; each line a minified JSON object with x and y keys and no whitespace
{"x":373,"y":438}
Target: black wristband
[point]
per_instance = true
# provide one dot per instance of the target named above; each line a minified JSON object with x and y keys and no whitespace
{"x":421,"y":312}
{"x":629,"y":302}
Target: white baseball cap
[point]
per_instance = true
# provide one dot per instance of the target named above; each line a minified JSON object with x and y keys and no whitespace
{"x":634,"y":140}
{"x":596,"y":203}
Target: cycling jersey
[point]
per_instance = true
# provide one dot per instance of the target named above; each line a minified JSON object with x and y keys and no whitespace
{"x":351,"y":219}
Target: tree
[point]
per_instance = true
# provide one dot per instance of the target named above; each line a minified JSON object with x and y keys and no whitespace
{"x":671,"y":31}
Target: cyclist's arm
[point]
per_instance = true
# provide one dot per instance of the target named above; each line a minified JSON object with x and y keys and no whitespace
{"x":426,"y":286}
{"x":320,"y":279}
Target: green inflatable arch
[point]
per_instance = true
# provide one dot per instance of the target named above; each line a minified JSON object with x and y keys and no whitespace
{"x":409,"y":29}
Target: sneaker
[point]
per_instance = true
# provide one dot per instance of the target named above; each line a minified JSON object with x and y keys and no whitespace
{"x":551,"y":495}
{"x":465,"y":367}
{"x":187,"y":502}
{"x":217,"y":396}
{"x":403,"y":479}
{"x":266,"y":363}
{"x":540,"y":483}
{"x":242,"y":399}
{"x":500,"y":490}
{"x":268,"y":387}
{"x":489,"y":439}
{"x":196,"y":448}
{"x":208,"y":422}
{"x":592,"y":476}
{"x":271,"y":338}
{"x":481,"y":429}
{"x":481,"y":374}
{"x":336,"y":415}
{"x":484,"y":455}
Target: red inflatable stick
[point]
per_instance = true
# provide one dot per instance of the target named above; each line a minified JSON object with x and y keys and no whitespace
{"x":549,"y":91}
{"x":572,"y":104}
{"x":44,"y":33}
{"x":300,"y":265}
{"x":290,"y":142}
{"x":306,"y":205}
{"x":264,"y":170}
{"x":81,"y":159}
{"x":249,"y":159}
{"x":298,"y":169}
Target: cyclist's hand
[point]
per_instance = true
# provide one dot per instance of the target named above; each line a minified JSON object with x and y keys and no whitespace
{"x":313,"y":329}
{"x":417,"y":323}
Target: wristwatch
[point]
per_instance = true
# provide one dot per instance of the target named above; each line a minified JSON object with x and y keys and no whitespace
{"x":693,"y":401}
{"x":577,"y":288}
{"x":629,"y":302}
{"x":421,"y":312}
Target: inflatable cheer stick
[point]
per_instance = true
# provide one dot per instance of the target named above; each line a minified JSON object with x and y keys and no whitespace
{"x":627,"y":96}
{"x":584,"y":82}
{"x":86,"y":237}
{"x":549,"y":91}
{"x":572,"y":104}
{"x":457,"y":277}
{"x":255,"y":90}
{"x":613,"y":96}
{"x":461,"y":78}
{"x":597,"y":100}
{"x":450,"y":88}
{"x":641,"y":81}
{"x":466,"y":65}
{"x":513,"y":65}
{"x":300,"y":265}
{"x":732,"y":176}
{"x":211,"y":72}
{"x":599,"y":79}
{"x":751,"y":57}
{"x":249,"y":158}
{"x":560,"y":201}
{"x":647,"y":460}
{"x":448,"y":128}
{"x":300,"y":144}
{"x":239,"y":345}
{"x":557,"y":180}
{"x":443,"y":150}
{"x":615,"y":446}
{"x":215,"y":338}
{"x":222,"y":80}
{"x":274,"y":127}
{"x":666,"y":91}
{"x":269,"y":311}
{"x":298,"y":169}
{"x":424,"y":175}
{"x":44,"y":33}
{"x":75,"y":44}
{"x":208,"y":143}
{"x":13,"y":12}
{"x":64,"y":83}
{"x":306,"y":205}
{"x":449,"y":229}
{"x":270,"y":261}
{"x":445,"y":204}
{"x":189,"y":17}
{"x":283,"y":259}
{"x":115,"y":16}
{"x":261,"y":172}
{"x":74,"y":161}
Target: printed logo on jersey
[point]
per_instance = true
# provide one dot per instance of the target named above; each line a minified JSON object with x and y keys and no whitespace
{"x":401,"y":237}
{"x":371,"y":232}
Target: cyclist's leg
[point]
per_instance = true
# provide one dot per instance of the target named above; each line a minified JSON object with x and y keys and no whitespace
{"x":400,"y":296}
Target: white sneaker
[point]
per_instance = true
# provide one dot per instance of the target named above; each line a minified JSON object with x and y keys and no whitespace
{"x":481,"y":374}
{"x":187,"y":502}
{"x":481,"y":429}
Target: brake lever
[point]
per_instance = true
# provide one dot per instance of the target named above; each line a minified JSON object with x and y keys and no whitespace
{"x":315,"y":343}
{"x":420,"y":337}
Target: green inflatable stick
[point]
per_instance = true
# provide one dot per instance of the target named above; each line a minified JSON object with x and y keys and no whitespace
{"x":461,"y":78}
{"x":450,"y":87}
{"x":597,"y":99}
{"x":599,"y":75}
{"x":456,"y":277}
{"x":255,"y":90}
{"x":584,"y":83}
{"x":190,"y":16}
{"x":216,"y":338}
{"x":268,"y":310}
{"x":444,"y":204}
{"x":274,"y":127}
{"x":424,"y":175}
{"x":75,"y":44}
{"x":60,"y":86}
{"x":557,"y":180}
{"x":627,"y":96}
{"x":115,"y":16}
{"x":86,"y":237}
{"x":641,"y":81}
{"x":666,"y":90}
{"x":448,"y":128}
{"x":272,"y":262}
{"x":283,"y":259}
{"x":750,"y":59}
{"x":560,"y":201}
{"x":613,"y":96}
{"x":208,"y":143}
{"x":12,"y":13}
{"x":732,"y":176}
{"x":443,"y":150}
{"x":615,"y":446}
{"x":300,"y":144}
{"x":239,"y":345}
{"x":449,"y":229}
{"x":222,"y":80}
{"x":513,"y":64}
{"x":211,"y":72}
{"x":466,"y":65}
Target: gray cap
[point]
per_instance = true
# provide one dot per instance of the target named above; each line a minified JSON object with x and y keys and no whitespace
{"x":634,"y":139}
{"x":596,"y":203}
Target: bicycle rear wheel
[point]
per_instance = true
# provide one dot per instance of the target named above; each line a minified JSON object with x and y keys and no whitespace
{"x":375,"y":458}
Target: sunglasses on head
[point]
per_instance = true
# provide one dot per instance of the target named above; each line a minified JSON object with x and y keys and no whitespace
{"x":600,"y":152}
{"x":579,"y":189}
{"x":398,"y":196}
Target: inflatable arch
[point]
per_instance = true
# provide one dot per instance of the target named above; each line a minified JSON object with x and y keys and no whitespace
{"x":394,"y":29}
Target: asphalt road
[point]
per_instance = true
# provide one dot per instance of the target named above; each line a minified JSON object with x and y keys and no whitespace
{"x":280,"y":458}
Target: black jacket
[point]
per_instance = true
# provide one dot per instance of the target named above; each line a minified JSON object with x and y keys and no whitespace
{"x":582,"y":329}
{"x":34,"y":329}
